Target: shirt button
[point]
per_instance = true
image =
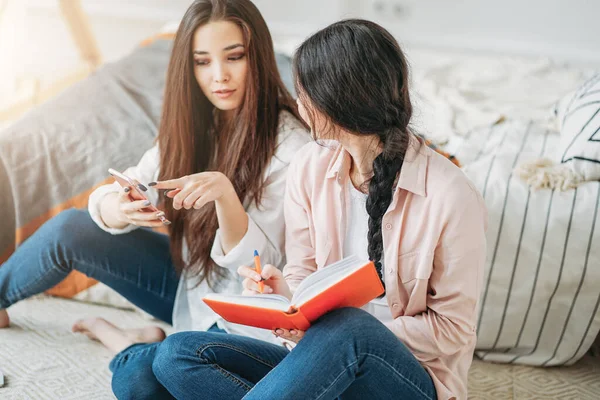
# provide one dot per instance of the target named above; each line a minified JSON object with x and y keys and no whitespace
{"x":339,"y":178}
{"x":391,"y":271}
{"x":388,"y":226}
{"x":395,"y":305}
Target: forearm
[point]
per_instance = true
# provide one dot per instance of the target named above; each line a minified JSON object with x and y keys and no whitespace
{"x":429,"y":335}
{"x":109,"y":211}
{"x":233,"y":220}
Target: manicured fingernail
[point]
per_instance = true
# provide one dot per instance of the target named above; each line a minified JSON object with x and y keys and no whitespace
{"x":142,"y":187}
{"x":293,"y":332}
{"x":126,"y":190}
{"x":279,"y":331}
{"x":160,"y":214}
{"x":152,"y":184}
{"x":167,"y":192}
{"x":147,"y":203}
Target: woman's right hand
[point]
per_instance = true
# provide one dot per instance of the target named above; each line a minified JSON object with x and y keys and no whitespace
{"x":271,"y":277}
{"x":132,"y":211}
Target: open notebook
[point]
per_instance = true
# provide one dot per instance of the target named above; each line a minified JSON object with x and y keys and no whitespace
{"x":350,"y":282}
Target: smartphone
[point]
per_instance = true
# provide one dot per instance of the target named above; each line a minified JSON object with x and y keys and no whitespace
{"x":137,"y":191}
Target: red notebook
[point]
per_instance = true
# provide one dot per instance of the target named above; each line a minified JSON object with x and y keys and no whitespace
{"x":350,"y":282}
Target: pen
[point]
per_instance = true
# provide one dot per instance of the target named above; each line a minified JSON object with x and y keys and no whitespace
{"x":261,"y":286}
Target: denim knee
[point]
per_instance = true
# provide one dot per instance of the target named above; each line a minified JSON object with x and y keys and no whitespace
{"x":172,"y":356}
{"x":67,"y":226}
{"x":346,"y":324}
{"x":350,"y":317}
{"x":127,"y":385}
{"x":134,"y":380}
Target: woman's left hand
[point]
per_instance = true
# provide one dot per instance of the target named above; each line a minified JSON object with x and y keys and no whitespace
{"x":197,"y":190}
{"x":294,"y":335}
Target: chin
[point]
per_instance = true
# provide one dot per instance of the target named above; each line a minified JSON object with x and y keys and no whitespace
{"x":227,"y":105}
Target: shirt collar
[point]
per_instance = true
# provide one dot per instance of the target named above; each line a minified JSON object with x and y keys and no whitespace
{"x":412,"y":175}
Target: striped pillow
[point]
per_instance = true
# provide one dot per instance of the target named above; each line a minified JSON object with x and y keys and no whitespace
{"x":578,"y":115}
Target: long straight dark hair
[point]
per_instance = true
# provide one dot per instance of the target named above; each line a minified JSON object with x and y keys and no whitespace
{"x":354,"y":73}
{"x":190,"y":140}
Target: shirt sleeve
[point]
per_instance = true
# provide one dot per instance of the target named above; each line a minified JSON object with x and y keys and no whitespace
{"x":146,"y":171}
{"x":299,"y":247}
{"x":450,"y":320}
{"x":266,"y":222}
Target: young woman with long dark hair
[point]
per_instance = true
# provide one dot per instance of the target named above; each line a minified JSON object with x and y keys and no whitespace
{"x":371,"y":188}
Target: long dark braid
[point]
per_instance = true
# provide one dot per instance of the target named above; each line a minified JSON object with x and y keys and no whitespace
{"x":381,"y":190}
{"x":364,"y":92}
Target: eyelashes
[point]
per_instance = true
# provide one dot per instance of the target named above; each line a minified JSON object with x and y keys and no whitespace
{"x":236,"y":57}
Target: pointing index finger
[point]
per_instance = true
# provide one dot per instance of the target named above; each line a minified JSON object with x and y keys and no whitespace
{"x":168,"y":184}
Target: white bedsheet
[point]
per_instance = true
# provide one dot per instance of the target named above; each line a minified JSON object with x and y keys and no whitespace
{"x":454,"y":92}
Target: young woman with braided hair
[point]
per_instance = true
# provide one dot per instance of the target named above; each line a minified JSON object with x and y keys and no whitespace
{"x":368,"y":187}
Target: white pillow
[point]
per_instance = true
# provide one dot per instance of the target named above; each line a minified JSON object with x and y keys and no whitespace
{"x":578,"y":116}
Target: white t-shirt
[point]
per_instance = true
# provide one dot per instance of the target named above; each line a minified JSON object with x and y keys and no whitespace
{"x":356,"y":243}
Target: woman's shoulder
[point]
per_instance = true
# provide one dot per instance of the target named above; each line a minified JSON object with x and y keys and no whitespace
{"x":447,"y":182}
{"x":314,"y":159}
{"x":288,"y":122}
{"x":291,"y":136}
{"x":290,"y":128}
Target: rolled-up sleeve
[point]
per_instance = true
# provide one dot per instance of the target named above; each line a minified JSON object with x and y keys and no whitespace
{"x":263,"y":239}
{"x":455,"y":283}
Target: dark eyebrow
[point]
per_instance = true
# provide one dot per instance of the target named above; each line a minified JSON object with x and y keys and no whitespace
{"x":233,"y":46}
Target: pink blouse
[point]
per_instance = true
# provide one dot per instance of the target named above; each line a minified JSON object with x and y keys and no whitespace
{"x":434,"y":250}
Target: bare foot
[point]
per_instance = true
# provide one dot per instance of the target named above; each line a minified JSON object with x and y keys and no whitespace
{"x":114,"y":338}
{"x":4,"y":320}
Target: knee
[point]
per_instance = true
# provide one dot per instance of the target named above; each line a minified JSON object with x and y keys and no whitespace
{"x":68,"y":225}
{"x":133,"y":382}
{"x":347,"y":324}
{"x":72,"y":229}
{"x":125,"y":388}
{"x":174,"y":355}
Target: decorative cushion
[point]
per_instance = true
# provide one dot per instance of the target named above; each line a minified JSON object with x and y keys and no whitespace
{"x":578,"y":116}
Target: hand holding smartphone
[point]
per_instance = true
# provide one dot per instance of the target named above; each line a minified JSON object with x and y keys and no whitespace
{"x":137,"y":193}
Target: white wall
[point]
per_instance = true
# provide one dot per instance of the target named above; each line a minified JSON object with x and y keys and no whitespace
{"x":566,"y":30}
{"x":561,"y":29}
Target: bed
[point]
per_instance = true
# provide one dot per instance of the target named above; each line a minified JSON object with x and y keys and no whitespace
{"x":491,"y":112}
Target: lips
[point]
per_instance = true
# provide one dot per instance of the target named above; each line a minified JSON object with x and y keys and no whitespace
{"x":224,"y":93}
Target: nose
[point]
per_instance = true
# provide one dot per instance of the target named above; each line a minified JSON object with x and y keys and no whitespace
{"x":220,"y":73}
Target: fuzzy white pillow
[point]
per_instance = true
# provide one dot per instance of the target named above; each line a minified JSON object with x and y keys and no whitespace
{"x":578,"y":116}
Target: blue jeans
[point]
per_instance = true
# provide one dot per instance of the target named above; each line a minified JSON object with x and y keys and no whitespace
{"x":346,"y":354}
{"x":133,"y":376}
{"x":137,"y":265}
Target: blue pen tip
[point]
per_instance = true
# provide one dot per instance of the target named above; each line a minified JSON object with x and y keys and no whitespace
{"x":255,"y":253}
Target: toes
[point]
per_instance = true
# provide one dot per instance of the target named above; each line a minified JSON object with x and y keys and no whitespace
{"x":77,"y":326}
{"x":152,"y":334}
